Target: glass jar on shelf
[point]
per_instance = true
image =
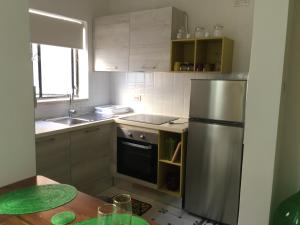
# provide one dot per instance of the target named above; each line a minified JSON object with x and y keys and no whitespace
{"x":218,"y":30}
{"x":183,"y":67}
{"x":181,"y":34}
{"x":199,"y":32}
{"x":190,"y":66}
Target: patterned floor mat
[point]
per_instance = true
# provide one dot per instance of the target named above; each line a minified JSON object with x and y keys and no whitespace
{"x":138,"y":207}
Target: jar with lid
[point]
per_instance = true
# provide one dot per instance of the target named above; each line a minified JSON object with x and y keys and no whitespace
{"x":181,"y":33}
{"x":218,"y":30}
{"x":199,"y":32}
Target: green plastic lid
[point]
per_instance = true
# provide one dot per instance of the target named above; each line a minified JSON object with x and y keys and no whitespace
{"x":63,"y":218}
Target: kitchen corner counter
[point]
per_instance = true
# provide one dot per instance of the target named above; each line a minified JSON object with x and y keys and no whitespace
{"x":179,"y":126}
{"x":46,"y":128}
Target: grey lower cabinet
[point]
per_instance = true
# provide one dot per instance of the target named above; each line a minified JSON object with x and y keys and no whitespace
{"x":81,"y":158}
{"x":53,"y":157}
{"x":91,"y":153}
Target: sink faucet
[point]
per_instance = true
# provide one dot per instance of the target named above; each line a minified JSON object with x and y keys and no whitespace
{"x":71,"y":110}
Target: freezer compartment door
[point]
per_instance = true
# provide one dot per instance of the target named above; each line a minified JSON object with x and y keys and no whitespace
{"x":213,"y":171}
{"x":218,"y":100}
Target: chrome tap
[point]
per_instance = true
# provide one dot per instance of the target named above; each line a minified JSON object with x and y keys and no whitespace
{"x":71,"y":110}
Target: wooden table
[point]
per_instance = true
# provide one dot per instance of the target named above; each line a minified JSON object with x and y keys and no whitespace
{"x":84,"y":206}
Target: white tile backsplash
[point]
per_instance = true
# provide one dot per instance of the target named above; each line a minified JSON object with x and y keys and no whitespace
{"x":161,"y":93}
{"x":99,"y":94}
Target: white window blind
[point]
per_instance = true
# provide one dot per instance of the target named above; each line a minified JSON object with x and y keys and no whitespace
{"x":55,"y":30}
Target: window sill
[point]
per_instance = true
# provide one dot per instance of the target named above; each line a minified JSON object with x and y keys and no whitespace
{"x":58,"y":100}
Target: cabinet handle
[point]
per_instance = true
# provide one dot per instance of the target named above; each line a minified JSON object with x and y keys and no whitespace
{"x":47,"y":140}
{"x":92,"y":130}
{"x":149,"y":67}
{"x":111,"y":67}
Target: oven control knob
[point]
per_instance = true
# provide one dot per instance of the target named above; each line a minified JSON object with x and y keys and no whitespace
{"x":142,"y":136}
{"x":130,"y":135}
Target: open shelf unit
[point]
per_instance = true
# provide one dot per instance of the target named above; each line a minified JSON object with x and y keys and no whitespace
{"x":171,"y":158}
{"x":169,"y":179}
{"x":202,"y":55}
{"x":183,"y":51}
{"x":168,"y":143}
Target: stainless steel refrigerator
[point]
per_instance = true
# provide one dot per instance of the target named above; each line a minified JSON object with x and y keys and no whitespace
{"x":215,"y":149}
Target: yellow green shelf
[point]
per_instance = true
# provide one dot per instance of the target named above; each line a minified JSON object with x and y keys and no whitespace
{"x":170,"y":162}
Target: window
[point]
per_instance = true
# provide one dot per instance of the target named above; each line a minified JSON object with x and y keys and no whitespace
{"x":55,"y":71}
{"x":59,"y":56}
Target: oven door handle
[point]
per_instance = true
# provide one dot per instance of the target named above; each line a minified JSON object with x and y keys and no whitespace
{"x":148,"y":147}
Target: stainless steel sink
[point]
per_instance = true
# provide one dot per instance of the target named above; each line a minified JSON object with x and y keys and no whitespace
{"x":69,"y":121}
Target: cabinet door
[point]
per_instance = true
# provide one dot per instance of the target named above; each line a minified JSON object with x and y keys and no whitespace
{"x":111,"y":43}
{"x":53,"y":157}
{"x":91,"y":151}
{"x":150,"y":40}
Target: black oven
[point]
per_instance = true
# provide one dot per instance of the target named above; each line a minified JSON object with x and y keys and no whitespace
{"x":137,"y":153}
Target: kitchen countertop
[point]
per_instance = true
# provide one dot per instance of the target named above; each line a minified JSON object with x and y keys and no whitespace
{"x":44,"y":128}
{"x":179,"y":126}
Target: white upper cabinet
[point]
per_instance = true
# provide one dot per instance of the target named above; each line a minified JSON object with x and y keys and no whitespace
{"x":150,"y":36}
{"x":139,"y":41}
{"x":111,"y":43}
{"x":151,"y":33}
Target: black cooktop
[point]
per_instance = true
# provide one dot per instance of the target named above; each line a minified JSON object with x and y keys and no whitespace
{"x":152,"y":119}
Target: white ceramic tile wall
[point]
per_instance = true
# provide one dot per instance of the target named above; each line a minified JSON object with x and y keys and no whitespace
{"x":99,"y":94}
{"x":161,"y":93}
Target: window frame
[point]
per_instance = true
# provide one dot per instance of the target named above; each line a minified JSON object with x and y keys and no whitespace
{"x":74,"y":57}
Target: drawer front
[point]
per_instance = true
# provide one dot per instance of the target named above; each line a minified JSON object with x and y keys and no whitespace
{"x":92,"y":143}
{"x":96,"y":187}
{"x":90,"y":170}
{"x":52,"y":152}
{"x":61,"y":173}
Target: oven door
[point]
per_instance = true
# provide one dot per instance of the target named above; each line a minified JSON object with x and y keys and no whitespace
{"x":137,"y":159}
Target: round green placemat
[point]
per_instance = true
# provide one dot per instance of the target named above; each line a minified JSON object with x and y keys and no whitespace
{"x":36,"y":198}
{"x":63,"y":218}
{"x":134,"y":221}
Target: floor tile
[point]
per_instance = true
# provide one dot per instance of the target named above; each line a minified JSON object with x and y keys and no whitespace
{"x":162,"y":213}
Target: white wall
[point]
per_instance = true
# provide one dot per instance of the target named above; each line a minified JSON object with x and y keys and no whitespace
{"x":262,"y":110}
{"x":288,"y":154}
{"x":237,"y":21}
{"x":98,"y":82}
{"x":17,"y":149}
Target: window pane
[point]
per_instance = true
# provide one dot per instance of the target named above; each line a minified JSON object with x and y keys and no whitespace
{"x":56,"y":70}
{"x":35,"y":64}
